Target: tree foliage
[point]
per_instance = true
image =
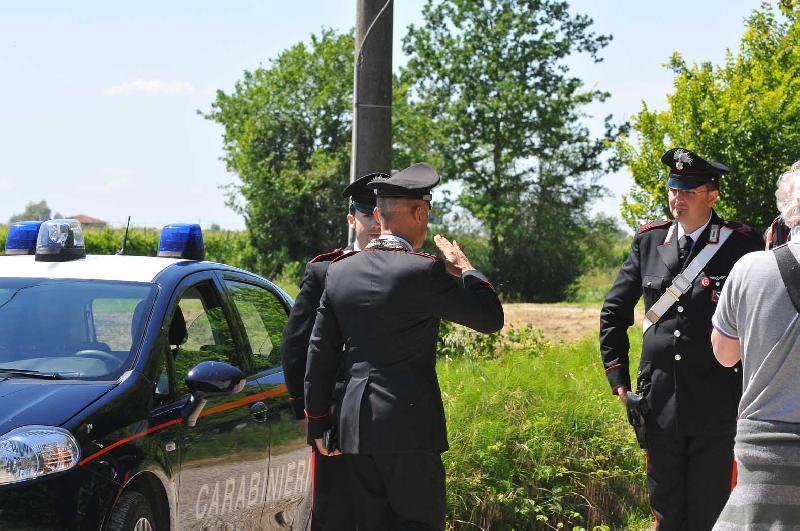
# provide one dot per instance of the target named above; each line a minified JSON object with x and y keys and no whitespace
{"x":34,"y":212}
{"x":508,"y":125}
{"x":744,"y":113}
{"x":286,"y":136}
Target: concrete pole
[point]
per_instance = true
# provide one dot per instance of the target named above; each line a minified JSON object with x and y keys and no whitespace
{"x":372,"y":89}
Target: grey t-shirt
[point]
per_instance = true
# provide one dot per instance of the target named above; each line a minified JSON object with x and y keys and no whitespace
{"x":755,"y":309}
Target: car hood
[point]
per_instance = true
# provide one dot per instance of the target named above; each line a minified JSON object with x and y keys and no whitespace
{"x":24,"y":402}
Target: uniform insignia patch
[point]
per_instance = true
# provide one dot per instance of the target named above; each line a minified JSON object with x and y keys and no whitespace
{"x":713,"y":235}
{"x":681,"y":157}
{"x":715,"y":295}
{"x":669,"y":235}
{"x":705,"y":282}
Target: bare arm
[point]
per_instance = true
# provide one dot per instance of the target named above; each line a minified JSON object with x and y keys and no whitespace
{"x":726,"y":349}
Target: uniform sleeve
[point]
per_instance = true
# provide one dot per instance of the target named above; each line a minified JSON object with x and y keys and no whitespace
{"x":617,"y":316}
{"x":724,"y":318}
{"x":296,"y":334}
{"x":324,"y":358}
{"x":474,"y":303}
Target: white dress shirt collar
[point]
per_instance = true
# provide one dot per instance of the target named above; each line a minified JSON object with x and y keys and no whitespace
{"x":693,"y":235}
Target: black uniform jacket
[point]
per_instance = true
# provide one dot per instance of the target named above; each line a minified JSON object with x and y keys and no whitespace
{"x":384,"y":307}
{"x":690,"y":392}
{"x":294,"y":347}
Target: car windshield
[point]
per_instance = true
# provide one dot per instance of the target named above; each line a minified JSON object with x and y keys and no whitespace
{"x":70,"y":329}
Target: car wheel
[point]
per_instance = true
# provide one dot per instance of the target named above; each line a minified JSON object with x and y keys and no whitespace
{"x":132,"y":512}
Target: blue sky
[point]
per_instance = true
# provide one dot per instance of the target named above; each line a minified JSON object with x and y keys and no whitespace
{"x":100,"y":98}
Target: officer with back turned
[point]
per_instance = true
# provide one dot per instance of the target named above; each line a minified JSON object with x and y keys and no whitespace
{"x":680,"y":266}
{"x":380,"y":316}
{"x":331,"y":505}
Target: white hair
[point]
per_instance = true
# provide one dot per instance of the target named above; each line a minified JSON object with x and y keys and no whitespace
{"x":787,"y":195}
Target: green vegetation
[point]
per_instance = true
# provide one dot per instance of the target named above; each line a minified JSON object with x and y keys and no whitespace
{"x":536,"y":438}
{"x":287,"y":128}
{"x":744,"y":113}
{"x":486,"y":98}
{"x":604,"y":252}
{"x":504,"y":119}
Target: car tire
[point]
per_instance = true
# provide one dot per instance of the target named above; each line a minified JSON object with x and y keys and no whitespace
{"x":132,"y":512}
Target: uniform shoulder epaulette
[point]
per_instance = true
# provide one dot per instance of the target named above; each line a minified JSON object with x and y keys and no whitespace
{"x":344,"y":255}
{"x":653,"y":225}
{"x":336,"y":253}
{"x":426,"y":255}
{"x":741,"y":228}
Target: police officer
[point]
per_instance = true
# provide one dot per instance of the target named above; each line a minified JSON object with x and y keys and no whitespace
{"x":384,"y":305}
{"x":692,"y":399}
{"x":331,"y":506}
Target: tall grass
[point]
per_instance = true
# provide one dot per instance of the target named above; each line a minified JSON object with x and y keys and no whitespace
{"x":537,"y":441}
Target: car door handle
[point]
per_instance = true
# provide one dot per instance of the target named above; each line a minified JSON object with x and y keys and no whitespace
{"x":258,"y":412}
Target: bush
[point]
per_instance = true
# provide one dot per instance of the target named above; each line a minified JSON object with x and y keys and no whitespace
{"x":537,"y":440}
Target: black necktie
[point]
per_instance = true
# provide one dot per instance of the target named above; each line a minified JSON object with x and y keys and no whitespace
{"x":684,"y":249}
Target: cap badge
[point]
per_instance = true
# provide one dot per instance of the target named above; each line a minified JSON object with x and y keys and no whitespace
{"x":681,"y":158}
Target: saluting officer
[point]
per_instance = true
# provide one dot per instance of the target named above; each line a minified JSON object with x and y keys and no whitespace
{"x":331,"y":505}
{"x":380,"y":314}
{"x":680,"y":266}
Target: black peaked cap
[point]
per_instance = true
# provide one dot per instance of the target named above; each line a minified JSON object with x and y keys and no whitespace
{"x":689,"y":170}
{"x":362,"y":198}
{"x":414,"y":182}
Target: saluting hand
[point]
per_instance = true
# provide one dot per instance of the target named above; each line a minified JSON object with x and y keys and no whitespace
{"x":454,"y":258}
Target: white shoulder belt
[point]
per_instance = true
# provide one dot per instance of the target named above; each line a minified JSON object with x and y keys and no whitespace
{"x":683,"y":282}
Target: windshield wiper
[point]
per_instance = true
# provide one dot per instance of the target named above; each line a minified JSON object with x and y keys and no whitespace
{"x":25,"y":373}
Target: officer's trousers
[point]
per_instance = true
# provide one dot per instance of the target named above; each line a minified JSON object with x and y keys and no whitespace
{"x":401,"y":491}
{"x":332,"y":508}
{"x":689,"y":479}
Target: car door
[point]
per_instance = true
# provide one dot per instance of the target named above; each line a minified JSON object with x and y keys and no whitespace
{"x":264,"y":312}
{"x":224,"y":457}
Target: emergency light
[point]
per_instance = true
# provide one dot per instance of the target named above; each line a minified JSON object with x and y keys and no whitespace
{"x":182,"y":240}
{"x":21,"y":237}
{"x":60,"y":240}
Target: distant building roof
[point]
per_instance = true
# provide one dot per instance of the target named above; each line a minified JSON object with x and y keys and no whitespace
{"x":88,"y":220}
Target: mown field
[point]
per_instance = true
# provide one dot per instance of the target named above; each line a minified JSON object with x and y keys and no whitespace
{"x":537,"y":441}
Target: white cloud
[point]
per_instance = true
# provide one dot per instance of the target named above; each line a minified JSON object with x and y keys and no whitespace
{"x":150,"y":86}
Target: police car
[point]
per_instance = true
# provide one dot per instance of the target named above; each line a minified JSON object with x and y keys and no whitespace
{"x":142,"y":393}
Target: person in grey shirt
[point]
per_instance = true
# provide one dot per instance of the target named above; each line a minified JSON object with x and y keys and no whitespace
{"x":755,"y":321}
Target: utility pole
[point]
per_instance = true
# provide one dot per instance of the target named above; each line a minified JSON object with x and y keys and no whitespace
{"x":372,"y":89}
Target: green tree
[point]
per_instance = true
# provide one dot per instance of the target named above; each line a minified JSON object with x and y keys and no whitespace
{"x":744,"y":113}
{"x":34,"y":212}
{"x":286,"y":136}
{"x":508,"y":126}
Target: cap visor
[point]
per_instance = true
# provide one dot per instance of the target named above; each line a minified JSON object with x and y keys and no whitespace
{"x":683,"y":183}
{"x":364,"y":209}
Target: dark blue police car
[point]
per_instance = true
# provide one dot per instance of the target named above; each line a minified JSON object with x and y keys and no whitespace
{"x":142,"y":393}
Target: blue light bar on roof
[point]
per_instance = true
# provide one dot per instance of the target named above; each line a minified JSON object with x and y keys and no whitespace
{"x":21,"y":237}
{"x":60,"y":240}
{"x":182,"y":240}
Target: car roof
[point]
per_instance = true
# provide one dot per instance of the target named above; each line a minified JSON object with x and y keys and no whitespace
{"x":93,"y":267}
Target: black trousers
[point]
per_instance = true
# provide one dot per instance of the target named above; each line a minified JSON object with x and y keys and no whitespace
{"x":689,"y":479}
{"x":398,"y":491}
{"x":332,"y":508}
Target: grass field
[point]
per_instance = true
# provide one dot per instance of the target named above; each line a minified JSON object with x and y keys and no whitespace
{"x":537,"y":441}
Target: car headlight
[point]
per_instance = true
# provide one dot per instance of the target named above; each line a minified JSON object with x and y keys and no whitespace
{"x":34,"y":451}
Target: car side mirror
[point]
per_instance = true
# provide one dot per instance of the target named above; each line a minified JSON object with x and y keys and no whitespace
{"x":209,"y":379}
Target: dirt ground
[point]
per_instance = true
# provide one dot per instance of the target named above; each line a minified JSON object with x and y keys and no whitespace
{"x":559,"y":321}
